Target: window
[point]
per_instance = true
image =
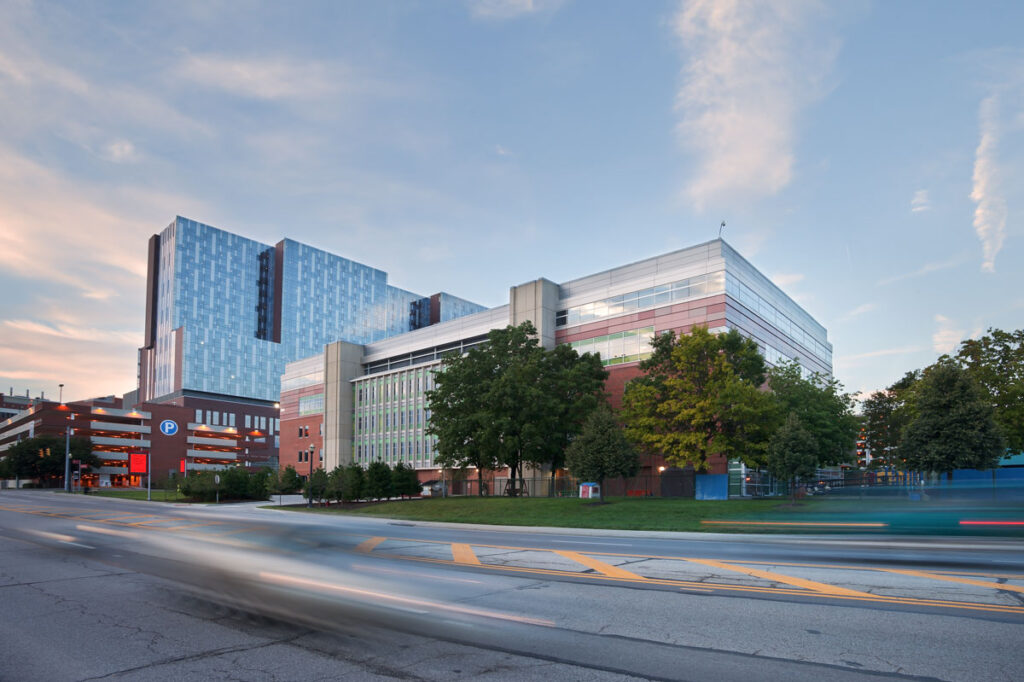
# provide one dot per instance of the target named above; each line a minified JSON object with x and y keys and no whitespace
{"x":248,"y":420}
{"x":199,"y":416}
{"x":300,"y":432}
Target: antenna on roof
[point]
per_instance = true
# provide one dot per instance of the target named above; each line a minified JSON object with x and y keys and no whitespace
{"x":720,"y":228}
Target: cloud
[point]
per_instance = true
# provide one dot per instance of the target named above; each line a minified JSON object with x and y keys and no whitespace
{"x":750,"y":69}
{"x":502,"y":151}
{"x":64,"y":331}
{"x":990,"y":211}
{"x":859,"y":358}
{"x":920,"y":202}
{"x":783,"y":280}
{"x":121,"y":151}
{"x":266,"y":78}
{"x":859,"y":310}
{"x":925,"y":269}
{"x":948,"y":336}
{"x":103,"y":253}
{"x":509,"y":9}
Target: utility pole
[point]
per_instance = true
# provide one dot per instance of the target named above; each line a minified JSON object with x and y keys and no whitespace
{"x":67,"y":444}
{"x":309,"y":482}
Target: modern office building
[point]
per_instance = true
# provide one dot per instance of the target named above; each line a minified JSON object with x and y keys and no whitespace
{"x":225,"y":314}
{"x":370,"y":401}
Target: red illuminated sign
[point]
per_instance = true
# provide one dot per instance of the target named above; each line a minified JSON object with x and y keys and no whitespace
{"x":137,"y":463}
{"x":182,"y":466}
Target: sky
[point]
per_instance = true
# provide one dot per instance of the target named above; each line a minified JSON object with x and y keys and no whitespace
{"x":867,"y":156}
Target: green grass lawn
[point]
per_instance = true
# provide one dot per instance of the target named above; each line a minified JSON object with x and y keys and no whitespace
{"x":133,"y":494}
{"x":620,"y":513}
{"x":773,"y":515}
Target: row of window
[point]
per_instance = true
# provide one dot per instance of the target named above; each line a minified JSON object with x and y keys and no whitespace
{"x":304,"y":455}
{"x":311,"y":404}
{"x":776,"y":318}
{"x":217,"y":418}
{"x":693,"y":287}
{"x":393,"y":419}
{"x":620,"y":347}
{"x":397,"y":387}
{"x":414,"y":450}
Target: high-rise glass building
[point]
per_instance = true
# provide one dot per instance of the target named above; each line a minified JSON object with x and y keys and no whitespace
{"x":224,"y":313}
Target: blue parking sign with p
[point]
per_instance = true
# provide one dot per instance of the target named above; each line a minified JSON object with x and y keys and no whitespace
{"x":168,"y":427}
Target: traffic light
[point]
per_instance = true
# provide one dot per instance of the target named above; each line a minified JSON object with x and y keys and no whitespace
{"x":47,"y":452}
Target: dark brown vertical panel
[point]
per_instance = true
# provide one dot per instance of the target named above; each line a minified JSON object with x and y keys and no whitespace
{"x":152,"y":279}
{"x":278,"y":286}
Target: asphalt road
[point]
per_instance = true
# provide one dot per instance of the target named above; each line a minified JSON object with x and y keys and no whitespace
{"x":95,"y":588}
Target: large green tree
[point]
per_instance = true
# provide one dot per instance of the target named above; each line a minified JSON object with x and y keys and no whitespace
{"x":823,"y":410}
{"x":793,"y":452}
{"x":953,"y":424}
{"x":460,"y":419}
{"x":601,"y":451}
{"x":885,"y":414}
{"x":509,"y":403}
{"x":996,"y":362}
{"x":701,"y":396}
{"x":572,"y":387}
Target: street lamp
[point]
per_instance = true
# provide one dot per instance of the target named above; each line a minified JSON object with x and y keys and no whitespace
{"x":309,"y":483}
{"x":67,"y":444}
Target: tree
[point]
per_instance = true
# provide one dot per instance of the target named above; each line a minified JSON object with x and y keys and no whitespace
{"x":700,"y":396}
{"x":336,"y":484}
{"x":601,"y":451}
{"x":354,"y":483}
{"x":404,"y":481}
{"x":459,"y":417}
{"x":824,"y":411}
{"x":290,"y":480}
{"x":572,"y":387}
{"x":885,"y":414}
{"x":378,"y":480}
{"x":996,"y":363}
{"x":316,"y":486}
{"x":953,"y":426}
{"x":793,"y":453}
{"x":43,"y":457}
{"x":510,"y":402}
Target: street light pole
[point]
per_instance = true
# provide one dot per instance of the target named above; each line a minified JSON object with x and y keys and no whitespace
{"x":309,"y":483}
{"x":67,"y":445}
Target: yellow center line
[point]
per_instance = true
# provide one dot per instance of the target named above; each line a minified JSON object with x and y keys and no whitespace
{"x":785,"y":579}
{"x":195,"y":525}
{"x":238,"y":530}
{"x":599,"y":566}
{"x":367,"y":545}
{"x":904,"y":601}
{"x":154,"y":520}
{"x":953,"y":579}
{"x":462,"y":554}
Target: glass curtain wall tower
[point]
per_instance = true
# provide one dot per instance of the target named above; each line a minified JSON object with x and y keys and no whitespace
{"x":224,"y":313}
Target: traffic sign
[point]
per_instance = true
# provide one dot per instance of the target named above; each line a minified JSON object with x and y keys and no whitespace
{"x":168,"y":427}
